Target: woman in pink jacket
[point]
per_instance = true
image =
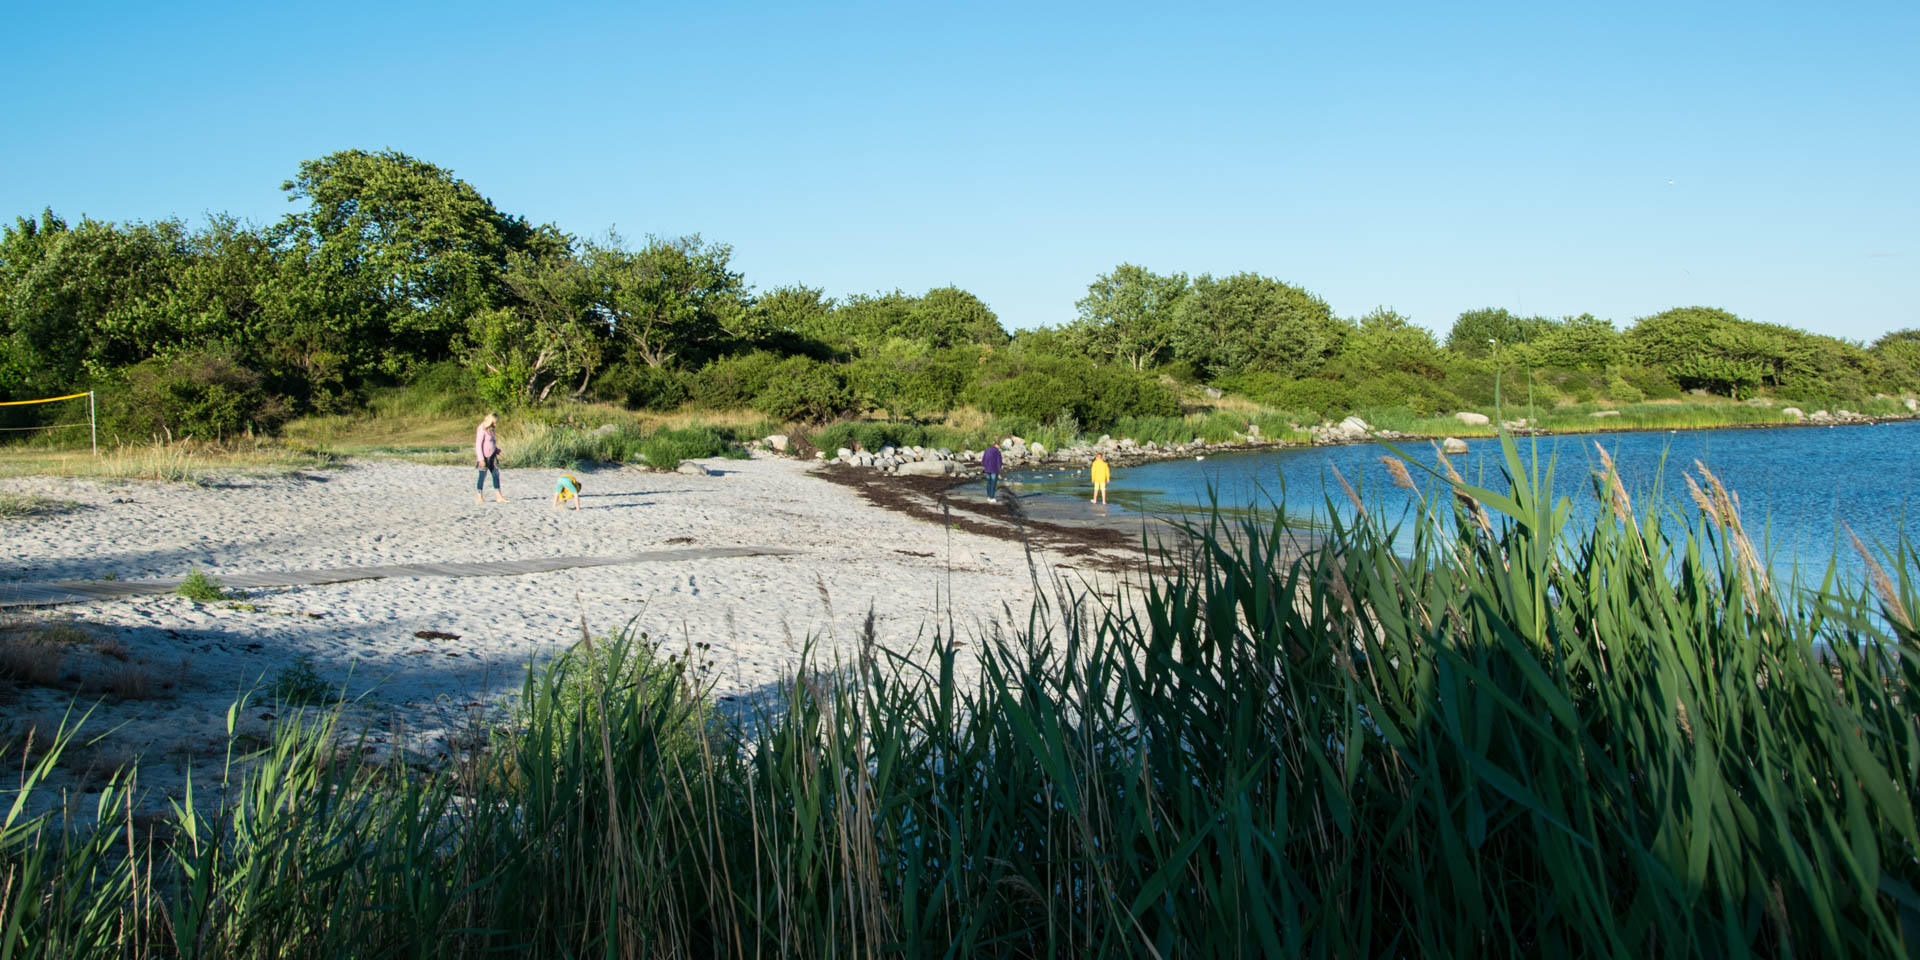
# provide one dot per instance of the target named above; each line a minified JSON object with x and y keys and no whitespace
{"x":486,"y":452}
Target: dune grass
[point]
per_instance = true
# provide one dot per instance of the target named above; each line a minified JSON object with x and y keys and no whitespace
{"x":176,"y":463}
{"x":14,"y":506}
{"x":1519,"y":739}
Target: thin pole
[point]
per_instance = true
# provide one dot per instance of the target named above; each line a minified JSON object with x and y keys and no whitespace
{"x":93,"y":424}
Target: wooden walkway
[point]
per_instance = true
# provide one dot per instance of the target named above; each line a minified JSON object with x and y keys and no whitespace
{"x":50,"y":593}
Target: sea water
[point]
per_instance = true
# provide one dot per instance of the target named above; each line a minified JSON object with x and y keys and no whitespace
{"x":1797,"y":485}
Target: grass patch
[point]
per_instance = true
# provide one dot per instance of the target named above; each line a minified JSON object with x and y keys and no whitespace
{"x":171,"y":463}
{"x":201,"y":588}
{"x":15,"y":506}
{"x":300,"y":684}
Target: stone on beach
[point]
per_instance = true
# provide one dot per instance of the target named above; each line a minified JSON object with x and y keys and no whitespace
{"x":1472,"y":419}
{"x":1453,"y":445}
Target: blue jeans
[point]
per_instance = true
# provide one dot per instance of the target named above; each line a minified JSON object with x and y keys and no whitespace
{"x":492,"y":465}
{"x":993,"y":485}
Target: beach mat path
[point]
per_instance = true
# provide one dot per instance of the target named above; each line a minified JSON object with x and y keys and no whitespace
{"x":55,"y":592}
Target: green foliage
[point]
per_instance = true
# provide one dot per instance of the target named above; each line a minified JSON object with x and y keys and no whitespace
{"x":300,"y":684}
{"x":1384,"y":341}
{"x":1653,"y":383}
{"x":1247,"y":322}
{"x":202,"y":394}
{"x":641,"y":387}
{"x":1129,"y":315}
{"x":867,"y":435}
{"x":395,"y":271}
{"x":665,"y":449}
{"x":201,"y":588}
{"x":1584,"y":342}
{"x":805,"y":390}
{"x":1898,"y":356}
{"x":415,"y":249}
{"x":673,"y":301}
{"x":1475,"y":331}
{"x":1042,"y":388}
{"x":737,"y":381}
{"x":1326,"y":398}
{"x":907,"y":378}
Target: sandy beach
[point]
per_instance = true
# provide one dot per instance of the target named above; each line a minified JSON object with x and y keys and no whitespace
{"x":163,"y":669}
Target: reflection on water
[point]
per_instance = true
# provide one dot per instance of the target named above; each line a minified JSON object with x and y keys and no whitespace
{"x":1795,"y":485}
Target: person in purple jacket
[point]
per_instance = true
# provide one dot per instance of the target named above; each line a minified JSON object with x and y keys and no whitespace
{"x":990,"y":462}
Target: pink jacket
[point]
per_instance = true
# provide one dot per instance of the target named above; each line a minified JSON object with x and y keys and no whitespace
{"x":483,"y":444}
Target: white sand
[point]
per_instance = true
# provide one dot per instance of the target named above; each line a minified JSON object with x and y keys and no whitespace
{"x":755,"y":612}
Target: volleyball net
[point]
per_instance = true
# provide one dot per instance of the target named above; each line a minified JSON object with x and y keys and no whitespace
{"x":92,"y":422}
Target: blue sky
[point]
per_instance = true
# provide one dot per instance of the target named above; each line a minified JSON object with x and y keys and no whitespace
{"x":1426,"y":159}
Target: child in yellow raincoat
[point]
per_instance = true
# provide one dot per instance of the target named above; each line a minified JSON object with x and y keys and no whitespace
{"x":1101,"y":474}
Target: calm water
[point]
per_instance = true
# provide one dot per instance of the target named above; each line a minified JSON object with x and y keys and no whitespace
{"x":1795,"y":485}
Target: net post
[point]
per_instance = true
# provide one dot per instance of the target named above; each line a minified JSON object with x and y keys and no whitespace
{"x":93,"y":425}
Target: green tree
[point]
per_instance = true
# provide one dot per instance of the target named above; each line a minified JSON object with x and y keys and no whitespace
{"x":547,"y":336}
{"x":91,"y":298}
{"x":673,"y":301}
{"x":1384,"y":341}
{"x":1584,"y":342}
{"x":1474,"y":331}
{"x":1897,"y":355}
{"x":950,"y":316}
{"x":1128,"y":314}
{"x":1248,"y":322}
{"x":422,"y":248}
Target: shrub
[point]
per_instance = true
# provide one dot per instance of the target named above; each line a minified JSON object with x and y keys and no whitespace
{"x":733,"y":382}
{"x":868,"y":435}
{"x":638,"y":386}
{"x":1041,"y":388}
{"x":805,"y":390}
{"x":299,"y":683}
{"x":200,"y":588}
{"x":1325,"y":398}
{"x":665,"y":449}
{"x":1653,"y":383}
{"x":205,"y":394}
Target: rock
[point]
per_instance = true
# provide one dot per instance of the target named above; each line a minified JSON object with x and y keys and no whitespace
{"x":691,"y":469}
{"x":1472,"y":419}
{"x":1150,"y":446}
{"x":1913,"y":406}
{"x":863,"y":458}
{"x":1253,"y":430}
{"x":1759,"y":402}
{"x":888,"y":450}
{"x":1198,"y":442}
{"x":603,"y":429}
{"x":926,"y":468}
{"x":1212,"y":393}
{"x":819,"y":454}
{"x":1820,"y":416}
{"x":1453,"y":445}
{"x":1794,"y":413}
{"x":778,"y":442}
{"x":1604,"y":413}
{"x":1844,"y":414}
{"x":1106,"y":440}
{"x":843,"y":453}
{"x":1126,"y":443}
{"x":1039,"y":449}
